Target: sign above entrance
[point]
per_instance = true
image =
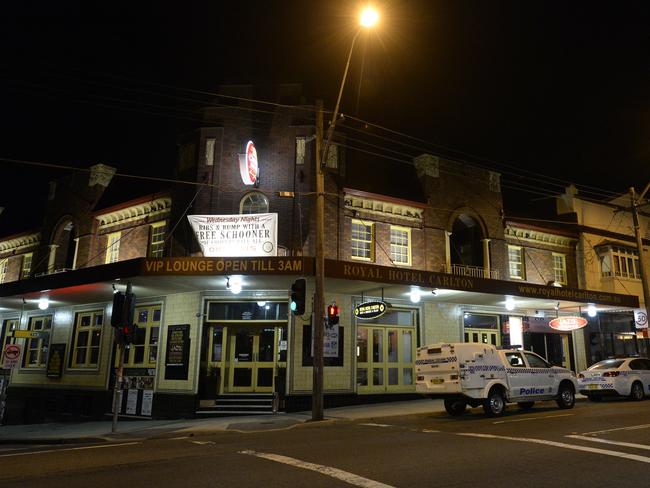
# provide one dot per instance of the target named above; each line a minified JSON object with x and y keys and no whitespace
{"x":236,"y":235}
{"x":370,"y":310}
{"x":248,"y":166}
{"x":568,"y":323}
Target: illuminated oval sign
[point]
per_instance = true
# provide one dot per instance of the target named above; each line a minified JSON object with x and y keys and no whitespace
{"x":370,"y":310}
{"x":248,"y":167}
{"x":568,"y":323}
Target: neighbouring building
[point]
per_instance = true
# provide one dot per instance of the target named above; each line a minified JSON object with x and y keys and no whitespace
{"x":426,"y":239}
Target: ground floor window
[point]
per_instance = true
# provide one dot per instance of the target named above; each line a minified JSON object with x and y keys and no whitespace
{"x":143,"y":353}
{"x":482,"y":328}
{"x":613,"y":334}
{"x":35,"y":355}
{"x":86,"y":339}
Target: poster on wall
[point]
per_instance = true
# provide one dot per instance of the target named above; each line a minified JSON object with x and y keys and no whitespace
{"x":247,"y":235}
{"x":177,"y":352}
{"x":55,"y":359}
{"x":147,"y":402}
{"x":132,"y":402}
{"x":331,"y":341}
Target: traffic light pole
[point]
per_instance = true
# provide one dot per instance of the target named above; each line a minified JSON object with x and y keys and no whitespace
{"x":121,"y":348}
{"x":319,"y":298}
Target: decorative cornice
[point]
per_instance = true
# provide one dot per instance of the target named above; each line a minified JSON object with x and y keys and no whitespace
{"x":382,"y":208}
{"x":539,"y":237}
{"x":20,"y":242}
{"x":131,"y":213}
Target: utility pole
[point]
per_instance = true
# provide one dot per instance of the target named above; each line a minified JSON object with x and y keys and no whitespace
{"x":319,"y":299}
{"x":639,"y":245}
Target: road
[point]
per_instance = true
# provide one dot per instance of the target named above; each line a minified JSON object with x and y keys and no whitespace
{"x":604,"y":444}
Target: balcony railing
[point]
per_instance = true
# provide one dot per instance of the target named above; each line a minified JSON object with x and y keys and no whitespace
{"x":474,"y":271}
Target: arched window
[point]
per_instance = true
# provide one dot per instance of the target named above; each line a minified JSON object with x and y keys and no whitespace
{"x":254,"y":202}
{"x":465,"y":242}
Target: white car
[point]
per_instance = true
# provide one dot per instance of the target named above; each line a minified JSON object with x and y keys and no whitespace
{"x":628,"y":377}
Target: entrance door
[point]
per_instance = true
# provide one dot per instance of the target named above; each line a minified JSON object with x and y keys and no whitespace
{"x":385,"y":358}
{"x":252,"y":359}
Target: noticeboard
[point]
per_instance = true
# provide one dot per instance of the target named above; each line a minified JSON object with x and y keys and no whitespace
{"x":55,"y":360}
{"x":177,"y":352}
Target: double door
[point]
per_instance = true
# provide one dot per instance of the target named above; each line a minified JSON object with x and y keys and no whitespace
{"x":252,"y":359}
{"x":385,"y":358}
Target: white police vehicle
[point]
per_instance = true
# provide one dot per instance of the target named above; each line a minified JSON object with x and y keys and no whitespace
{"x":482,"y":374}
{"x":628,"y":377}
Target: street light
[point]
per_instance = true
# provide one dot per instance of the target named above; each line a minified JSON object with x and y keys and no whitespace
{"x":368,"y":18}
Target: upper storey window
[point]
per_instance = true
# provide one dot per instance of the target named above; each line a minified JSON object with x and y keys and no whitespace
{"x":253,"y":203}
{"x":619,"y":261}
{"x":362,"y":240}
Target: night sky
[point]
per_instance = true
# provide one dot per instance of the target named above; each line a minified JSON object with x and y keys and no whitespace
{"x":560,"y":89}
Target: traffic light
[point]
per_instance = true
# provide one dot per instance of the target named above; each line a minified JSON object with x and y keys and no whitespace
{"x":298,"y":291}
{"x":123,"y":315}
{"x":332,"y":314}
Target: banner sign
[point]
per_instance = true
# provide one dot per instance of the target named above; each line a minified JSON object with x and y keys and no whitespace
{"x":236,"y":235}
{"x":568,"y":323}
{"x":640,"y":318}
{"x":225,"y":266}
{"x":370,"y":310}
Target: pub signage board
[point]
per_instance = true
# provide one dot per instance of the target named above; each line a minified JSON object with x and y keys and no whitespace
{"x":55,"y":360}
{"x":385,"y":274}
{"x":370,"y":310}
{"x":227,"y":266}
{"x":568,"y":323}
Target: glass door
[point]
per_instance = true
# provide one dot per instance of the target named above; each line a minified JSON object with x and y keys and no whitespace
{"x":385,"y":359}
{"x":212,"y":359}
{"x":252,"y":359}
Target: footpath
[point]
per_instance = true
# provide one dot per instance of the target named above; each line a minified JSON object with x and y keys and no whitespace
{"x":98,"y":431}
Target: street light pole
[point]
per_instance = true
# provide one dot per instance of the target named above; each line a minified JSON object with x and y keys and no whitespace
{"x":368,"y":18}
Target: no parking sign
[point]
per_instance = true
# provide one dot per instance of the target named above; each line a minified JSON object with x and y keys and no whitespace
{"x":11,"y":356}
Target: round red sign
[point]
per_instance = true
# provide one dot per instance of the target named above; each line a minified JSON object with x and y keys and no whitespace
{"x":568,"y":323}
{"x":12,"y":351}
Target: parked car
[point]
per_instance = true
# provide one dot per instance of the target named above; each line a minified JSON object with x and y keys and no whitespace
{"x":628,"y":377}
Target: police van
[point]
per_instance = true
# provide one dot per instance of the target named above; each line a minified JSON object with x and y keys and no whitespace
{"x":482,"y":374}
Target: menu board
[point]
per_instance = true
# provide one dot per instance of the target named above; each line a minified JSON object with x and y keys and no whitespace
{"x":177,"y":352}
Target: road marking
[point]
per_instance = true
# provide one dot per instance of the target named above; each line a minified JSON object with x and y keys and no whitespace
{"x":350,"y":478}
{"x":633,"y":427}
{"x":428,"y":431}
{"x":179,"y":438}
{"x":605,"y":441}
{"x":594,"y":450}
{"x":100,"y":446}
{"x":369,"y":424}
{"x":202,"y":442}
{"x":534,"y":418}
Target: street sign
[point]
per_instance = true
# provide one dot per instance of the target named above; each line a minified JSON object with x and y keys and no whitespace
{"x":31,"y":334}
{"x":11,"y":356}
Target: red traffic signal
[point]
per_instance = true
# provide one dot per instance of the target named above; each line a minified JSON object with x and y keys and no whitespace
{"x":333,"y":314}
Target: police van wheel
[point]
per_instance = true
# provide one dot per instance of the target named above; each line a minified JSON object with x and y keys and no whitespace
{"x":566,"y":398}
{"x":495,"y":404}
{"x":526,"y":405}
{"x":455,"y":407}
{"x":636,"y":392}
